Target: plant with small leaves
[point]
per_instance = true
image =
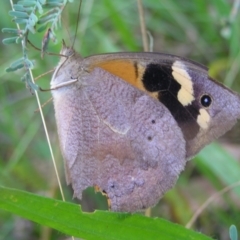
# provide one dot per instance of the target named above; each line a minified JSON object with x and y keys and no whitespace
{"x":31,"y":17}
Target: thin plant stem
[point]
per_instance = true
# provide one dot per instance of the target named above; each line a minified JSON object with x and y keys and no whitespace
{"x":210,"y":200}
{"x":143,"y":26}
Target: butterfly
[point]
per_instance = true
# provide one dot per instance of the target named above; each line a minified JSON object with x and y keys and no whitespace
{"x":129,"y":122}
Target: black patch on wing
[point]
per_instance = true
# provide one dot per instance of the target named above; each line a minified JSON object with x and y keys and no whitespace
{"x":159,"y":78}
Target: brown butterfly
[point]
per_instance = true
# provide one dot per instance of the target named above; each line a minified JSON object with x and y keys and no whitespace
{"x":128,"y":122}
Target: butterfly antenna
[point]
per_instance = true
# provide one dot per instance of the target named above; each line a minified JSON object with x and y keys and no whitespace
{"x":78,"y":17}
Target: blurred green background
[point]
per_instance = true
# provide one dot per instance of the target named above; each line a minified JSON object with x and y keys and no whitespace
{"x":204,"y":31}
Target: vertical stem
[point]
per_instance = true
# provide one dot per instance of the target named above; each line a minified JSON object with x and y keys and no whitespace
{"x":143,"y":26}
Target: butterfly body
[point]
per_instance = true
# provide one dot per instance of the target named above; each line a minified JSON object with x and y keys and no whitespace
{"x":128,"y":122}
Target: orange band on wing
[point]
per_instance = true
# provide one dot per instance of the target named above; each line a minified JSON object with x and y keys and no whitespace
{"x":129,"y":71}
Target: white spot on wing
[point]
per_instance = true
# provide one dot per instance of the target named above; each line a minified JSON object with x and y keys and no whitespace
{"x":203,"y":118}
{"x":180,"y":74}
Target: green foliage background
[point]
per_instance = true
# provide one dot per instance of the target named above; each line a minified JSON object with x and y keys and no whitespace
{"x":192,"y":29}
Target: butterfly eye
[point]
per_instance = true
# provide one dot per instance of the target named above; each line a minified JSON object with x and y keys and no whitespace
{"x":206,"y":100}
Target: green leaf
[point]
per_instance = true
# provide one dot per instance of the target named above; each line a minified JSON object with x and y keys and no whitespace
{"x":10,"y":40}
{"x":33,"y":18}
{"x":233,"y":232}
{"x":20,"y":20}
{"x":42,"y":28}
{"x":39,"y":7}
{"x":11,"y":30}
{"x":18,"y":14}
{"x":18,"y":7}
{"x":48,"y":18}
{"x":42,"y":1}
{"x":28,"y":3}
{"x":12,"y":69}
{"x":69,"y":219}
{"x":54,"y":4}
{"x":18,"y":64}
{"x":220,"y":162}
